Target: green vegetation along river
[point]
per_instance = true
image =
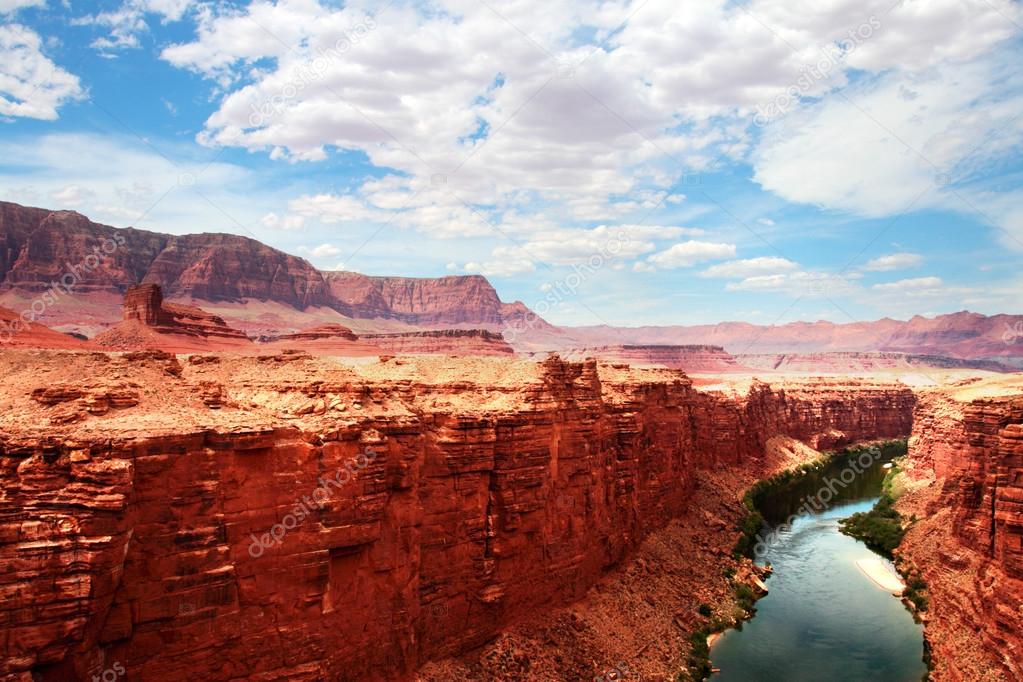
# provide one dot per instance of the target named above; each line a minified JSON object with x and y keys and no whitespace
{"x":823,"y":619}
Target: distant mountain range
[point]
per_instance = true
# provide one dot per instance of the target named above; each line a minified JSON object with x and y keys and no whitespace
{"x":960,"y":335}
{"x":264,"y":290}
{"x":39,"y":247}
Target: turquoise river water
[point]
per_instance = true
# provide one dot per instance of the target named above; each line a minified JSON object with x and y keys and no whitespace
{"x":823,"y":619}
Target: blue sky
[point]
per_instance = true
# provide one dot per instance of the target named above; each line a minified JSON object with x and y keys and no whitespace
{"x":621,"y":162}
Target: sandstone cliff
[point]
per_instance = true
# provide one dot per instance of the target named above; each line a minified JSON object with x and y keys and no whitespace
{"x":443,"y":342}
{"x":484,"y":490}
{"x":687,"y":358}
{"x":965,"y":486}
{"x":150,"y":323}
{"x":445,"y":300}
{"x":39,"y":247}
{"x":325,"y":339}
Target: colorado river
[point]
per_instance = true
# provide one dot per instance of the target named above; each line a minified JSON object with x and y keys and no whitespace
{"x":823,"y":618}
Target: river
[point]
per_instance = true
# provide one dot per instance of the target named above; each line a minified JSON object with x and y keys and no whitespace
{"x":823,"y":619}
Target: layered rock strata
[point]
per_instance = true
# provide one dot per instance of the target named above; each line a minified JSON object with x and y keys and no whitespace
{"x":443,"y":342}
{"x":965,"y":488}
{"x":444,"y":300}
{"x":149,"y":322}
{"x":206,"y":528}
{"x":39,"y":247}
{"x":57,"y":253}
{"x":326,"y":339}
{"x":694,"y":358}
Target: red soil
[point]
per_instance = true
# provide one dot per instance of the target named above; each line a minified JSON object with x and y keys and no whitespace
{"x":15,"y":332}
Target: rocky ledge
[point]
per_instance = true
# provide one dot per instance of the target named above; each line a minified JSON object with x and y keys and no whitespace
{"x":325,"y":339}
{"x":443,"y":342}
{"x":286,"y":517}
{"x":690,"y":358}
{"x":151,"y":323}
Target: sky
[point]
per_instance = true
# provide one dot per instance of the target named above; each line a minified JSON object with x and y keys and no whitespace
{"x":619,"y":162}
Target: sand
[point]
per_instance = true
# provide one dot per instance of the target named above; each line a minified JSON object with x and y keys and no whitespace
{"x":882,"y":576}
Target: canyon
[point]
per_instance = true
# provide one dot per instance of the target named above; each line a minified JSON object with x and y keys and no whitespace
{"x":483,"y":490}
{"x":520,"y":519}
{"x":241,"y":467}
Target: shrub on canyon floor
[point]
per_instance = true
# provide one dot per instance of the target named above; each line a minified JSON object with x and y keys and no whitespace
{"x":746,"y":598}
{"x":915,"y":592}
{"x":795,"y":491}
{"x":749,"y":528}
{"x":698,"y":663}
{"x":881,"y":529}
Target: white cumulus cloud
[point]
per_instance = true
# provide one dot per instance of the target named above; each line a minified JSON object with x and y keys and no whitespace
{"x":287,"y":222}
{"x":9,"y":6}
{"x":750,"y":267}
{"x":689,"y":253}
{"x":585,"y":111}
{"x":321,"y":251}
{"x":916,"y":284}
{"x":894,"y":261}
{"x":31,"y":85}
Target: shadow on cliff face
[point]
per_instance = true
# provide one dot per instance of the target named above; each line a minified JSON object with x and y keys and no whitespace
{"x":498,"y":494}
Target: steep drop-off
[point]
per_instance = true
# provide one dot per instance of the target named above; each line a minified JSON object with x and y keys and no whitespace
{"x":445,"y":300}
{"x":964,"y":480}
{"x":142,"y":535}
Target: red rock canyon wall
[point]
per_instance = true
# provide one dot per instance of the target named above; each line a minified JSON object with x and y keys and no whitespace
{"x":965,"y":476}
{"x":132,"y":544}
